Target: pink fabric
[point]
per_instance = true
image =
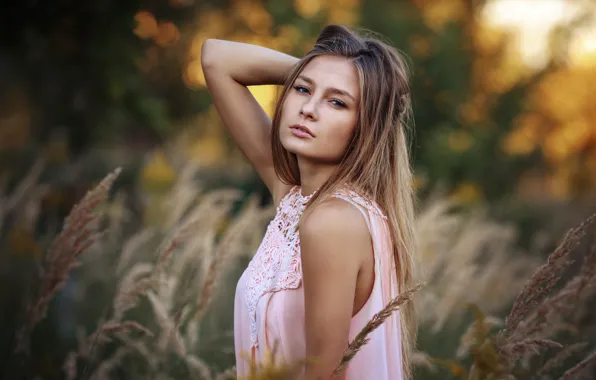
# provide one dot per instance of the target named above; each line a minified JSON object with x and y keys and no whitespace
{"x":269,"y":301}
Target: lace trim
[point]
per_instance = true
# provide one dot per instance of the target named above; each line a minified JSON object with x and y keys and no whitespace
{"x":276,"y":265}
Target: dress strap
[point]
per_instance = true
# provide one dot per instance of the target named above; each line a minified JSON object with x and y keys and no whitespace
{"x":360,"y":201}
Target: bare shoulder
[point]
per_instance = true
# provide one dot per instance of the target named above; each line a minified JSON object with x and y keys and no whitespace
{"x":334,"y":215}
{"x":337,"y":228}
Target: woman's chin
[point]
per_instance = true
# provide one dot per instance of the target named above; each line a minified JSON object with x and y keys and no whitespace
{"x":293,"y":146}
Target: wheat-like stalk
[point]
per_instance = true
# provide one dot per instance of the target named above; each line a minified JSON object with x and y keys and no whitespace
{"x":560,"y":357}
{"x":577,"y":371}
{"x":134,"y":284}
{"x":105,"y":367}
{"x":138,"y":346}
{"x":228,"y":374}
{"x":125,"y":327}
{"x":377,"y":320}
{"x":421,"y":359}
{"x":99,"y":337}
{"x":170,"y":334}
{"x":545,"y":278}
{"x":535,"y":318}
{"x":518,"y":350}
{"x":198,"y":367}
{"x":21,"y":192}
{"x":230,"y":243}
{"x":78,"y":234}
{"x":70,"y":366}
{"x":460,"y":251}
{"x":561,"y":304}
{"x":131,"y":246}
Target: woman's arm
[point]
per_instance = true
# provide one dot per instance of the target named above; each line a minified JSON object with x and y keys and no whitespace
{"x":334,"y":241}
{"x":228,"y":68}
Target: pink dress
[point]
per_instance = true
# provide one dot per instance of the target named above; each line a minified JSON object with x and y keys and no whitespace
{"x":269,"y":301}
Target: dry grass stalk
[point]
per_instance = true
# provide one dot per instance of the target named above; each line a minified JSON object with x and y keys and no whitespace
{"x":166,"y":252}
{"x":198,"y":368}
{"x":138,"y":346}
{"x":77,"y":235}
{"x":535,"y":318}
{"x":230,"y":242}
{"x":545,"y":277}
{"x":421,"y":359}
{"x":182,"y":195}
{"x":70,"y":366}
{"x":557,"y":360}
{"x":170,"y":335}
{"x":521,"y":349}
{"x":462,"y":251}
{"x":577,"y":372}
{"x":87,"y":344}
{"x":534,"y":322}
{"x":134,"y":284}
{"x":126,"y":326}
{"x":105,"y":367}
{"x":21,"y":192}
{"x":587,"y":284}
{"x":561,"y":304}
{"x":228,"y":374}
{"x":167,"y":281}
{"x":131,"y":246}
{"x":377,"y":320}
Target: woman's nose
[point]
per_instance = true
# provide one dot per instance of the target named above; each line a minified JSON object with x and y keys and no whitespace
{"x":308,"y":109}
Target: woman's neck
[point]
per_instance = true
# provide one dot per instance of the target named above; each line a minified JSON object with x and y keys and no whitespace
{"x":313,"y":175}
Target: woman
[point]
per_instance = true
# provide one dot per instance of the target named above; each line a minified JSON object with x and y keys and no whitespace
{"x":336,"y":162}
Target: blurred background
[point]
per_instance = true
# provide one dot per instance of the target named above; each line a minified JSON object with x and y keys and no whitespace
{"x":505,"y":129}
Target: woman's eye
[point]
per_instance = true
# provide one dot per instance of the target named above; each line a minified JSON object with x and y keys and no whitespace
{"x":301,"y":89}
{"x":338,"y":103}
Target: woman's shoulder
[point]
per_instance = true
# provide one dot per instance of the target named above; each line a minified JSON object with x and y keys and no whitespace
{"x":359,"y":199}
{"x":334,"y":224}
{"x":333,"y":209}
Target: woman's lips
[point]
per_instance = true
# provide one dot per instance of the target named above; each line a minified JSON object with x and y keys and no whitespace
{"x":300,"y":130}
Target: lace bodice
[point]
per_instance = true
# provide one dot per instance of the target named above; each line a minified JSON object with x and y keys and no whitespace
{"x":276,"y":265}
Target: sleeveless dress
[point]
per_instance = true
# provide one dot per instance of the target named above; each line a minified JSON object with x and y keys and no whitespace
{"x":269,"y":300}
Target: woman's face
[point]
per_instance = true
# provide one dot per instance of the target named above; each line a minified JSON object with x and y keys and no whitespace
{"x":325,"y":99}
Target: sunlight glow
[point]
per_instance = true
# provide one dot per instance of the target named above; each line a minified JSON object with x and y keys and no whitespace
{"x":532,"y":21}
{"x":582,"y":50}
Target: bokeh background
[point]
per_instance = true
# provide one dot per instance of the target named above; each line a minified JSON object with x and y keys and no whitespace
{"x":504,"y":151}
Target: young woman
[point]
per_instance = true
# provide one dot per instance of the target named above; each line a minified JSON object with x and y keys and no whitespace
{"x":335,"y":158}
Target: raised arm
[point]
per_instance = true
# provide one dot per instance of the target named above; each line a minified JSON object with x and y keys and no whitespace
{"x":230,"y":67}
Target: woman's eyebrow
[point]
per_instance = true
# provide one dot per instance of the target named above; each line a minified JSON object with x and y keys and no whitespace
{"x":330,"y":89}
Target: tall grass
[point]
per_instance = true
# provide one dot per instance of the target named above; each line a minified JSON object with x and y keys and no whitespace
{"x":166,"y":285}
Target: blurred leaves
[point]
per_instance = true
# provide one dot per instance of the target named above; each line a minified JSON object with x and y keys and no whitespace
{"x":132,"y":74}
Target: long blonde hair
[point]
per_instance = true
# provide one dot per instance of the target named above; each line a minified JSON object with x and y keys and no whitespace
{"x":376,"y":161}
